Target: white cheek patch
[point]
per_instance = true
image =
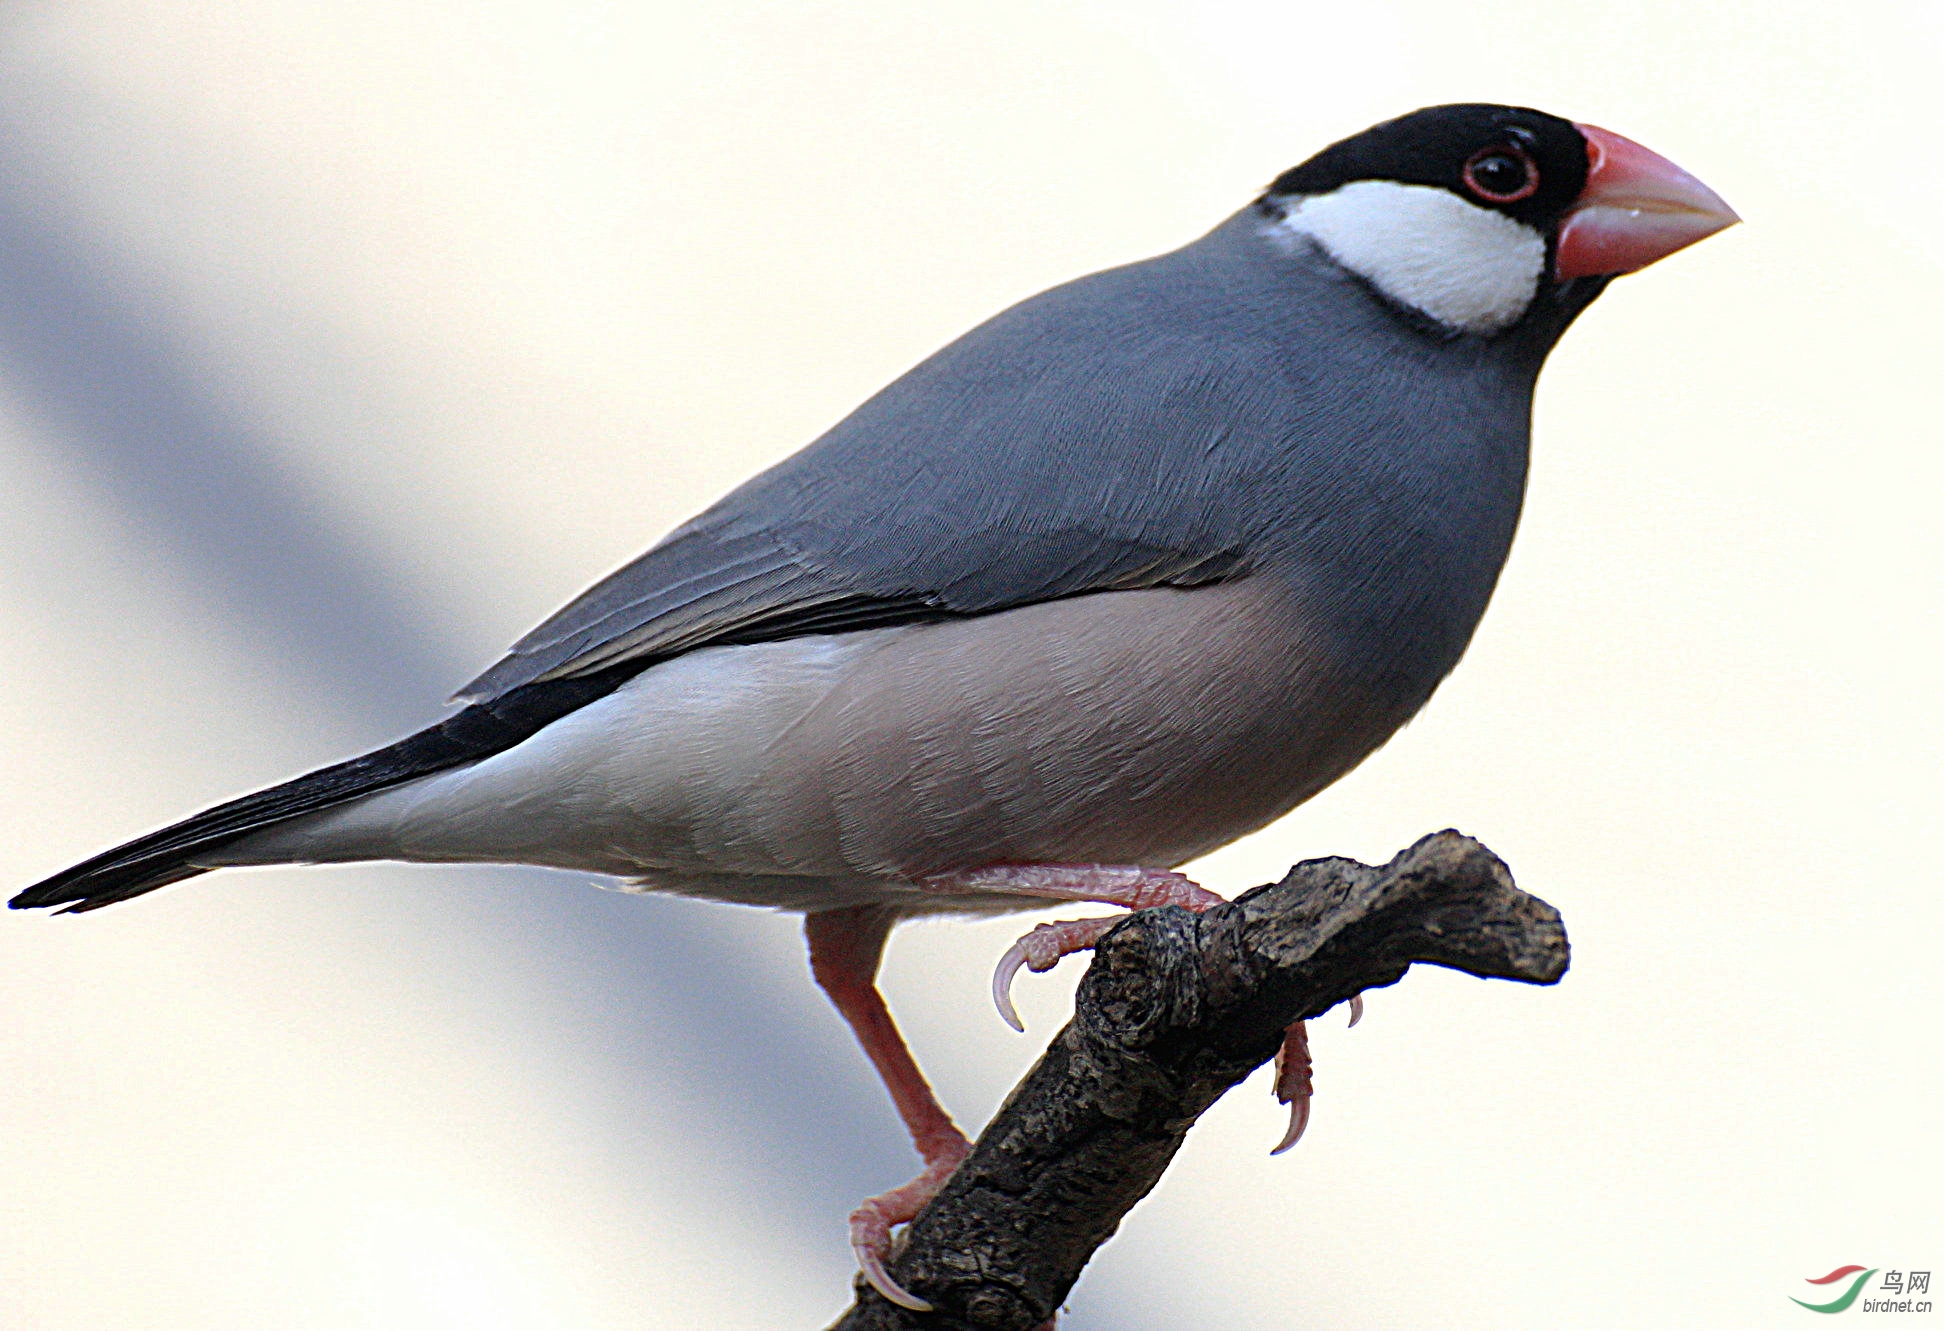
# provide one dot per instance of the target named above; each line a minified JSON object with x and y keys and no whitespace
{"x":1467,"y":267}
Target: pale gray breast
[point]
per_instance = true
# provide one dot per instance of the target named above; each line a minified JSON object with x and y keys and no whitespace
{"x":1125,"y":728}
{"x":1142,"y":727}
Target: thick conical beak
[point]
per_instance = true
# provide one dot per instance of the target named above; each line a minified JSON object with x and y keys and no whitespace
{"x":1637,"y":207}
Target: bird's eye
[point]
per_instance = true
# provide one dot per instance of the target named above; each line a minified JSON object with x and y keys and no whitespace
{"x":1502,"y":175}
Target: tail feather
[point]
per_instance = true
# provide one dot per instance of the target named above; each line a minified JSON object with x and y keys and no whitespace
{"x":169,"y":855}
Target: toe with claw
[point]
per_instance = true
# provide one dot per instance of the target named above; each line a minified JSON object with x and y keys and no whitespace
{"x":1293,"y":1068}
{"x":871,"y":1223}
{"x":1293,"y":1086}
{"x":1041,"y":950}
{"x":1132,"y":888}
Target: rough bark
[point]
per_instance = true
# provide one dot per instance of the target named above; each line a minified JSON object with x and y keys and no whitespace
{"x":1175,"y":1009}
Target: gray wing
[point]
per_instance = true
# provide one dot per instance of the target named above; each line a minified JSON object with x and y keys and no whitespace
{"x":1089,"y":439}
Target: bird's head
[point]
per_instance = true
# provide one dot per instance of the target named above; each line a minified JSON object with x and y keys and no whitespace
{"x":1460,"y":213}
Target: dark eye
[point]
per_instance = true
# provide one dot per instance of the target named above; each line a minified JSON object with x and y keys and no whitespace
{"x":1502,"y":174}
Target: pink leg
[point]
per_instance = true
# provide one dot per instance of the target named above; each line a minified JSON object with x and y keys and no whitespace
{"x":1130,"y":888}
{"x":845,"y":947}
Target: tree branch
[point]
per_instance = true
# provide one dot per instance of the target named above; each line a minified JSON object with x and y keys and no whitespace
{"x":1175,"y":1009}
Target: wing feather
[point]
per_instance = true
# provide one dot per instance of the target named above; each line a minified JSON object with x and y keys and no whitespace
{"x":1080,"y":442}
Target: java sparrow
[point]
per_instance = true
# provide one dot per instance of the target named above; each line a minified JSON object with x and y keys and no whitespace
{"x":1131,"y":569}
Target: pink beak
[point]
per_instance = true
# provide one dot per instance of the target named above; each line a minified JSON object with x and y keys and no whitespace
{"x":1637,"y":207}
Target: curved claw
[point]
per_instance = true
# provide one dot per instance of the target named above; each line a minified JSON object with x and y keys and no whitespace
{"x":1041,"y":950}
{"x":1002,"y":979}
{"x":870,"y":1240}
{"x":1298,"y":1120}
{"x":1356,"y":1009}
{"x":1293,"y":1085}
{"x":1131,"y":887}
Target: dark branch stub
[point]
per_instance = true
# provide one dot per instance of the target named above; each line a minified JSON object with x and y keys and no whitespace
{"x":1175,"y":1009}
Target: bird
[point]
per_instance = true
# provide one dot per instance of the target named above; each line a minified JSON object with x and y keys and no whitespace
{"x":1128,"y":571}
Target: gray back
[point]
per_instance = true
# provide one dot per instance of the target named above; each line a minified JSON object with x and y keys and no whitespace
{"x":1239,"y":407}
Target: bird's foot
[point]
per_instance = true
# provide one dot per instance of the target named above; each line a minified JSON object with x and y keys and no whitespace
{"x":872,"y":1222}
{"x":1293,"y":1085}
{"x":1113,"y":885}
{"x":1293,"y":1068}
{"x":1041,"y":950}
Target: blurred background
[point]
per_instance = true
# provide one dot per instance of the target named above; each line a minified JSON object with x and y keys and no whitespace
{"x":341,"y":340}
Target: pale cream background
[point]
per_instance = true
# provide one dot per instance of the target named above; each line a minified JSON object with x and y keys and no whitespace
{"x":340,"y":341}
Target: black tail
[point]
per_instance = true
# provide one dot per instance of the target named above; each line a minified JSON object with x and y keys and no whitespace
{"x":168,"y":856}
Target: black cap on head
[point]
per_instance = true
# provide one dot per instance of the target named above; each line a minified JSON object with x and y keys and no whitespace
{"x":1523,"y":163}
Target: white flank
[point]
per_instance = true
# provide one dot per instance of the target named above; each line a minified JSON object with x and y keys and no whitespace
{"x":1470,"y":268}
